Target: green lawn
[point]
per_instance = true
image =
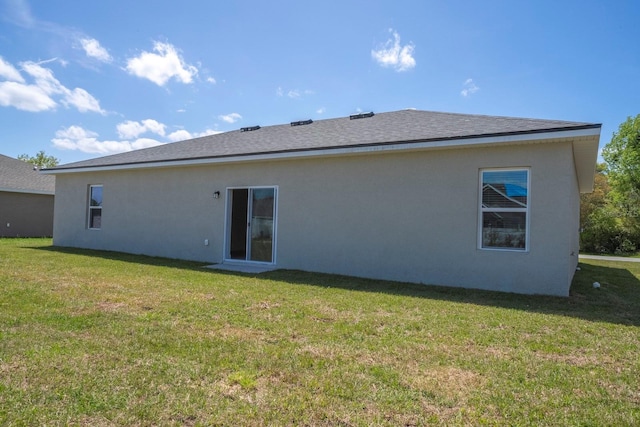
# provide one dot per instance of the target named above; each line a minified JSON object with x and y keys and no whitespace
{"x":97,"y":338}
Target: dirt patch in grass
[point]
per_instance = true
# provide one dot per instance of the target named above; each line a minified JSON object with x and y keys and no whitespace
{"x":92,"y":421}
{"x":236,"y":332}
{"x":110,"y":307}
{"x":264,"y":305}
{"x":498,"y":352}
{"x":620,"y":391}
{"x":330,"y":353}
{"x":451,"y":383}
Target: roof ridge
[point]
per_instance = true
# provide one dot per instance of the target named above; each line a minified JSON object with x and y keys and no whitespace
{"x":488,"y":116}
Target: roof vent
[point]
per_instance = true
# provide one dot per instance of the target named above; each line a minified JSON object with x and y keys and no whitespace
{"x":361,"y":116}
{"x":302,"y":122}
{"x":249,"y":129}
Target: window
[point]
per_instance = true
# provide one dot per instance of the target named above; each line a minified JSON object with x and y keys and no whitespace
{"x":95,"y":207}
{"x":504,"y":209}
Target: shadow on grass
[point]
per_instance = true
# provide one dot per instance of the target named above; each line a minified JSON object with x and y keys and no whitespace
{"x":616,"y":301}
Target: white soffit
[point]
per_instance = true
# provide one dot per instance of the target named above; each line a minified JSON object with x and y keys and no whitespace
{"x":585,"y":156}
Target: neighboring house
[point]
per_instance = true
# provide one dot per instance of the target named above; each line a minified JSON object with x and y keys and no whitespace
{"x":26,"y":200}
{"x":436,"y":198}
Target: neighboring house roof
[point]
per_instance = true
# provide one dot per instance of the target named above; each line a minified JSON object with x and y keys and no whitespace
{"x":502,"y":196}
{"x":21,"y":177}
{"x":405,"y":129}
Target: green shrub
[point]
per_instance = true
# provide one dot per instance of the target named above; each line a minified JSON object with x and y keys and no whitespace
{"x":605,"y":232}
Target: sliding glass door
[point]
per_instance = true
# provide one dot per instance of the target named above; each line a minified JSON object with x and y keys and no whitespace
{"x":251,"y":224}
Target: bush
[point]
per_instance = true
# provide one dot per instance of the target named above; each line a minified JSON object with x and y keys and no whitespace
{"x":607,"y":233}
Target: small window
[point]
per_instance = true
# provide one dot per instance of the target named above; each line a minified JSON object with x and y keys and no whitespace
{"x":504,"y":209}
{"x":95,"y":207}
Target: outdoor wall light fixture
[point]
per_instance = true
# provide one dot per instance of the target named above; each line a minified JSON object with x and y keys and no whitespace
{"x":216,"y":194}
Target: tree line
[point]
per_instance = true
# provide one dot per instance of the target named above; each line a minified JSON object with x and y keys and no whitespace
{"x":610,"y":215}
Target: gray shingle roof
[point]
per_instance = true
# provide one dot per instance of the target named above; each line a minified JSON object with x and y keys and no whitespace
{"x":403,"y":126}
{"x":19,"y":176}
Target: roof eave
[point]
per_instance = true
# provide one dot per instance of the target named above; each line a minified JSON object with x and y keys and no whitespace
{"x":423,"y":144}
{"x":585,"y":157}
{"x":26,"y":191}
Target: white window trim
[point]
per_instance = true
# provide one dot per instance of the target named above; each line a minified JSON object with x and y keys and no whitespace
{"x":90,"y":208}
{"x":227,"y":222}
{"x":526,"y":210}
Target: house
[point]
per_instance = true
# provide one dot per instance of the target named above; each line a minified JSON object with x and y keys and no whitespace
{"x":417,"y":196}
{"x":26,"y":200}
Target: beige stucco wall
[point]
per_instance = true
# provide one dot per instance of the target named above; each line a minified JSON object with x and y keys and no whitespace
{"x":26,"y":214}
{"x":410,"y":216}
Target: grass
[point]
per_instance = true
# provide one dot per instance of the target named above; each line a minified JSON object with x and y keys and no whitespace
{"x":624,"y":255}
{"x":98,"y":339}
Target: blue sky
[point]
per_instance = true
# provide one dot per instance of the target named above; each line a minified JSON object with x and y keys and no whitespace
{"x":81,"y":79}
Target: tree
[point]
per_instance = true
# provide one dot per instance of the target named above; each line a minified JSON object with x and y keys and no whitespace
{"x":597,"y":199}
{"x":610,"y":216}
{"x":622,"y":156}
{"x":600,"y":232}
{"x":41,"y":160}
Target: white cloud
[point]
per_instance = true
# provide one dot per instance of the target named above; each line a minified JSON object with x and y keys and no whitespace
{"x":75,"y":132}
{"x":80,"y":139}
{"x":44,"y":78}
{"x":294,"y":93}
{"x":392,"y":54}
{"x":131,"y":129}
{"x":42,"y":95}
{"x":93,"y":50}
{"x":154,"y":126}
{"x":207,"y":132}
{"x":160,"y":67}
{"x":18,"y":12}
{"x":77,"y":138}
{"x":211,"y":80}
{"x":469,"y":88}
{"x":25,"y":97}
{"x":9,"y":72}
{"x":145,"y":143}
{"x":181,"y":135}
{"x":230,"y":118}
{"x":321,"y":110}
{"x":79,"y":98}
{"x":82,"y":100}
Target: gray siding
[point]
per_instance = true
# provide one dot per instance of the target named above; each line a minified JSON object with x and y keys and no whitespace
{"x":26,"y":215}
{"x":407,"y":216}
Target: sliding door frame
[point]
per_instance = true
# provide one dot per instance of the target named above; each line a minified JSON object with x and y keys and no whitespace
{"x":228,"y":225}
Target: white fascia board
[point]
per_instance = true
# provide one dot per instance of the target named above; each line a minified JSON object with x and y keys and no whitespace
{"x":341,"y":151}
{"x":585,"y":157}
{"x":18,"y":190}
